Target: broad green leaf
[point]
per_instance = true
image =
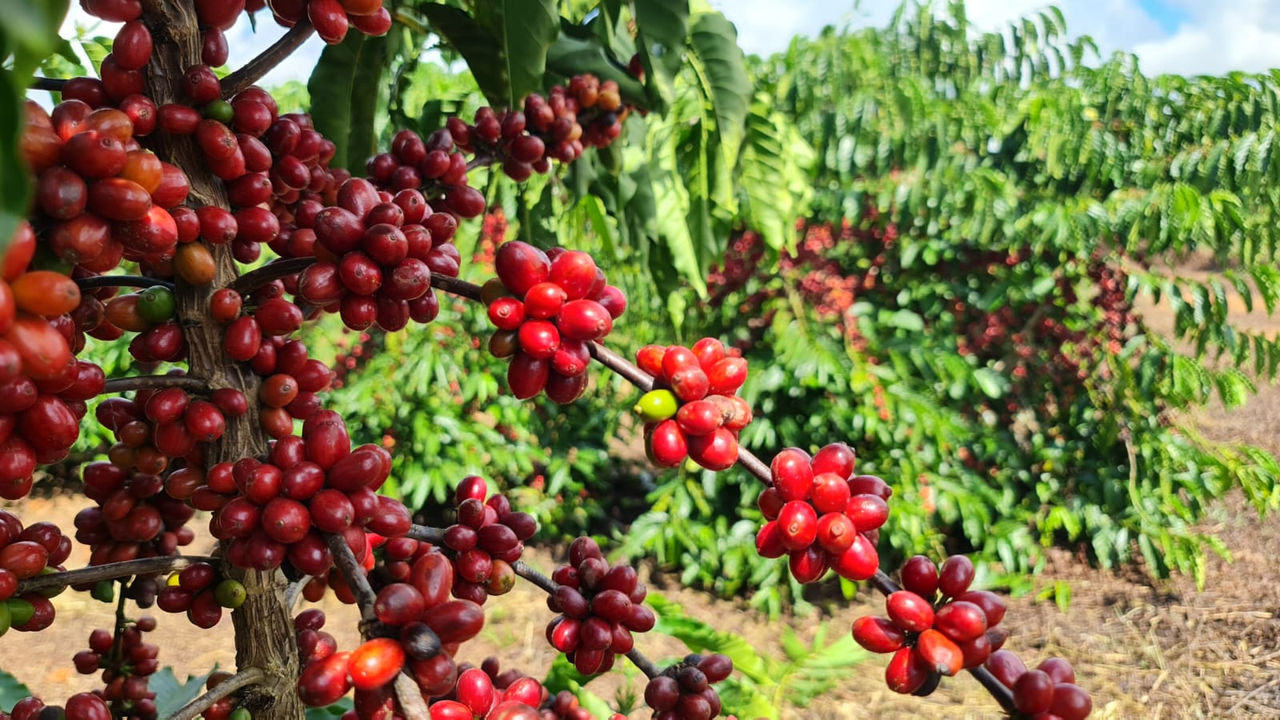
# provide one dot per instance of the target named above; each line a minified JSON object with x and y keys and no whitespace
{"x":344,"y":89}
{"x":11,"y":691}
{"x":661,"y":28}
{"x":172,"y":693}
{"x":478,"y":47}
{"x":28,"y":35}
{"x":713,"y":42}
{"x":569,"y":56}
{"x":523,"y":31}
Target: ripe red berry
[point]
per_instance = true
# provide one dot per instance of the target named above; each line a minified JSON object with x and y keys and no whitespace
{"x":909,"y":611}
{"x":798,"y":524}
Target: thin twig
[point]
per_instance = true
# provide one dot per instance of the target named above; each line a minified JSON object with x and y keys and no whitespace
{"x":355,"y":576}
{"x":1002,"y":694}
{"x":244,"y":678}
{"x":255,"y":279}
{"x":49,"y":84}
{"x":110,"y":571}
{"x":454,"y":286}
{"x":621,"y":366}
{"x":523,"y":570}
{"x":644,"y":664}
{"x":250,"y":72}
{"x":424,"y":533}
{"x":755,"y":465}
{"x":138,"y":382}
{"x":408,"y":694}
{"x":101,"y":281}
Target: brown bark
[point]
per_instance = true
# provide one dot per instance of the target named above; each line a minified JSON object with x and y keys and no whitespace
{"x":263,"y":625}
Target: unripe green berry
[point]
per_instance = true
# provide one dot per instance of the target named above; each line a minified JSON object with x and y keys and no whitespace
{"x":229,"y":594}
{"x":656,"y":405}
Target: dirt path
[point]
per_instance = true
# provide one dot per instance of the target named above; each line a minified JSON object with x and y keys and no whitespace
{"x":1146,"y":650}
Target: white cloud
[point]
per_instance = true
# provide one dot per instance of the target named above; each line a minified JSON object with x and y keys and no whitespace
{"x":1216,"y":37}
{"x":1230,"y":35}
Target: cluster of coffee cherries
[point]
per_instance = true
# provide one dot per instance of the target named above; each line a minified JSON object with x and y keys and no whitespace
{"x":935,"y":626}
{"x":423,"y":630}
{"x":684,"y":691}
{"x":24,"y":553}
{"x":291,"y":378}
{"x":548,"y":308}
{"x":100,"y":196}
{"x":332,"y":19}
{"x":821,"y":515}
{"x":277,"y":509}
{"x":693,"y":411}
{"x":1048,"y":692}
{"x":479,"y":693}
{"x":487,"y":539}
{"x":585,"y":112}
{"x":43,"y":388}
{"x":375,"y":254}
{"x":200,"y":592}
{"x":81,"y":706}
{"x":126,"y":668}
{"x":508,"y":686}
{"x":149,"y":313}
{"x":600,"y":607}
{"x":133,"y":517}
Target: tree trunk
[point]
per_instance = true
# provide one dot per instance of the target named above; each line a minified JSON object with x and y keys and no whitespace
{"x":263,"y":625}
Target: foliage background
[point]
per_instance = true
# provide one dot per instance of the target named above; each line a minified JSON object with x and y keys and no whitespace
{"x":950,"y":180}
{"x":947,"y":183}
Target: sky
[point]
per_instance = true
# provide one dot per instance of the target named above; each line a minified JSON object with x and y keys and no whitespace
{"x":1168,"y":36}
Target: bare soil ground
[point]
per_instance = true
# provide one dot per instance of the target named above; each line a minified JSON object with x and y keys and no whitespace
{"x":1158,"y":650}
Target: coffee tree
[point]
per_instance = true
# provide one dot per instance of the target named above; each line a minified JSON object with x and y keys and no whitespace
{"x":156,"y":187}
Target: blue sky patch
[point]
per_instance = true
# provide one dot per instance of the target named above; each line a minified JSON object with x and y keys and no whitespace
{"x":1165,"y":13}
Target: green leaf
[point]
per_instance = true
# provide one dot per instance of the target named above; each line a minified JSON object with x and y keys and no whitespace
{"x":344,"y":89}
{"x":990,"y":382}
{"x":661,"y":27}
{"x":570,"y":55}
{"x":171,"y":693}
{"x":476,"y":45}
{"x":523,"y":30}
{"x":329,"y":712}
{"x":714,"y":43}
{"x":11,"y":691}
{"x":28,"y":35}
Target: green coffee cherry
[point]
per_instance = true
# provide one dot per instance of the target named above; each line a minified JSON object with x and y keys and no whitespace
{"x":219,"y":110}
{"x":20,"y":611}
{"x":155,"y":304}
{"x":656,"y":405}
{"x":5,"y":618}
{"x":105,"y":591}
{"x":230,"y":594}
{"x":241,"y":713}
